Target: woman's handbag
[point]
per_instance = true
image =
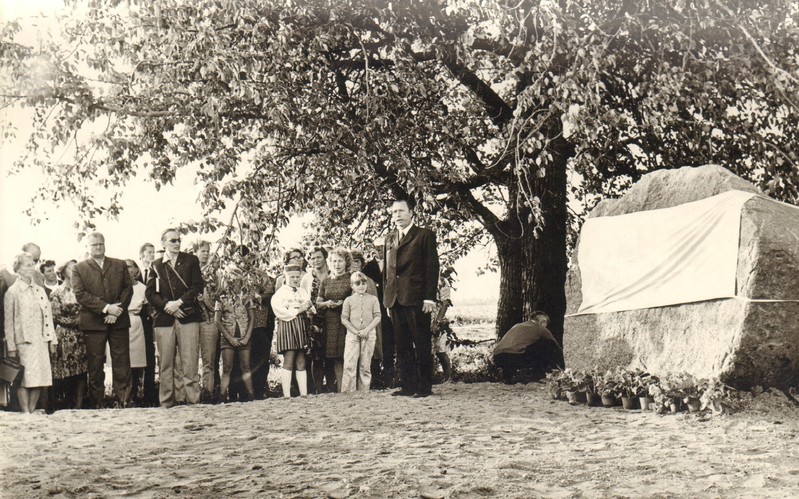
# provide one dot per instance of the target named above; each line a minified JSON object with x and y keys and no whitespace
{"x":10,"y":369}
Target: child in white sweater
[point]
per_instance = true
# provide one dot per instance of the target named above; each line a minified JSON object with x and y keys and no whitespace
{"x":290,"y":303}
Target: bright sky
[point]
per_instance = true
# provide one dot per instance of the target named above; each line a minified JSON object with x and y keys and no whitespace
{"x":146,"y":211}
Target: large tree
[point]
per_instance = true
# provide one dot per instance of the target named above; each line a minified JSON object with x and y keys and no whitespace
{"x":494,"y":115}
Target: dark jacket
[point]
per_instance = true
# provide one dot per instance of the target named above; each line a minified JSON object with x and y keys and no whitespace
{"x":410,"y":273}
{"x":373,"y":272}
{"x":164,"y":286}
{"x":95,"y":288}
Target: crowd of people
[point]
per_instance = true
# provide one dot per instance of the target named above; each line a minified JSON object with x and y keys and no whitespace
{"x":175,"y":328}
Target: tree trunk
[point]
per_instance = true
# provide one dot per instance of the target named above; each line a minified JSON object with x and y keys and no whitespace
{"x":533,"y":269}
{"x":545,"y":257}
{"x":511,"y":298}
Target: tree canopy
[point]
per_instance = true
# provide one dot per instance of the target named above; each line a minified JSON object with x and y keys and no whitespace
{"x":496,"y":116}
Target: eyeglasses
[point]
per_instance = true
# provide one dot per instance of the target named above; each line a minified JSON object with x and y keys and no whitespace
{"x":173,"y":241}
{"x":358,"y":282}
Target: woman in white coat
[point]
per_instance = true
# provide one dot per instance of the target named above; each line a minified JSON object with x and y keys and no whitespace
{"x":30,"y":333}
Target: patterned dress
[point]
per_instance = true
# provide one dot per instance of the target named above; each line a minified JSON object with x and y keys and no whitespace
{"x":317,"y":329}
{"x":334,"y":288}
{"x":70,"y":355}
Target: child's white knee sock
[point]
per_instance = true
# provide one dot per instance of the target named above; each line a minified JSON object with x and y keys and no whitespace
{"x":302,"y":382}
{"x":285,"y":378}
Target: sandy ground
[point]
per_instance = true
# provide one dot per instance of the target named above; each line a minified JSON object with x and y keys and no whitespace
{"x":468,"y":440}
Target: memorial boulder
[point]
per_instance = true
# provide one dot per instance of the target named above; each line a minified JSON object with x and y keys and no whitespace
{"x":693,"y":270}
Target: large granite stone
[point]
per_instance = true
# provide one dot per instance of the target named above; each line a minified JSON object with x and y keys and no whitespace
{"x":743,"y":343}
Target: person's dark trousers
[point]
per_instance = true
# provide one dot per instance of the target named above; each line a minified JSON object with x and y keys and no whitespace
{"x":236,"y":392}
{"x":217,"y":373}
{"x":260,"y":348}
{"x":377,"y":375}
{"x":136,"y":382}
{"x":118,"y":343}
{"x":150,"y":391}
{"x":389,"y":348}
{"x":414,"y":342}
{"x":316,"y":363}
{"x":47,"y":399}
{"x":330,"y":375}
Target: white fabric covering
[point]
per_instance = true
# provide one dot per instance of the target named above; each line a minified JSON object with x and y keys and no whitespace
{"x":683,"y":254}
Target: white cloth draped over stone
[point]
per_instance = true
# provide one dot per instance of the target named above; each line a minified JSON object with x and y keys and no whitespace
{"x":683,"y":254}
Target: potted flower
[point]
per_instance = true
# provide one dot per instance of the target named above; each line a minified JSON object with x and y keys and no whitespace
{"x":660,"y":401}
{"x":592,"y":395}
{"x":606,"y":386}
{"x":691,"y":392}
{"x":627,"y":387}
{"x":676,"y":387}
{"x":575,"y":386}
{"x":643,"y":381}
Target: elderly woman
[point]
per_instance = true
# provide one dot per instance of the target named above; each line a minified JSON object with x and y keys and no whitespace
{"x":69,"y":362}
{"x":332,"y":292}
{"x":29,"y":332}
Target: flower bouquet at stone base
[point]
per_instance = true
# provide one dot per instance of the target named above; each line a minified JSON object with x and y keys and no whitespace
{"x":691,"y":392}
{"x":554,"y":383}
{"x":716,"y":396}
{"x":672,"y":389}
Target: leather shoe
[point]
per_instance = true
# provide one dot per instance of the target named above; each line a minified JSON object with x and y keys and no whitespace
{"x":402,"y":393}
{"x":419,"y":395}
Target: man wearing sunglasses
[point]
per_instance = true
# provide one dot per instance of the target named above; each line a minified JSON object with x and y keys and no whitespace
{"x":172,"y":289}
{"x":410,"y":284}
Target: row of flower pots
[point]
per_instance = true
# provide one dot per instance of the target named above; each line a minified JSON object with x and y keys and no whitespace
{"x":637,"y":390}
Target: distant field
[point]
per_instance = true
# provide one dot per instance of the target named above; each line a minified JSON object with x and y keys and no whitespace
{"x":473,"y":312}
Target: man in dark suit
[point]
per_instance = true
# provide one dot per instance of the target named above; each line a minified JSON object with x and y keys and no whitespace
{"x":146,"y":257}
{"x":103,"y":287}
{"x":172,"y":290}
{"x":410,"y":282}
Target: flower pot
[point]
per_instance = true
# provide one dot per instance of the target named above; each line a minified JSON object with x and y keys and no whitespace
{"x":629,"y":403}
{"x":675,"y":405}
{"x":693,"y":404}
{"x":716,"y":407}
{"x":609,"y":400}
{"x":645,"y":402}
{"x":593,"y":399}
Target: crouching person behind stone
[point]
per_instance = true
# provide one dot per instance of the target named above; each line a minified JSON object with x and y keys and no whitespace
{"x":527,"y":345}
